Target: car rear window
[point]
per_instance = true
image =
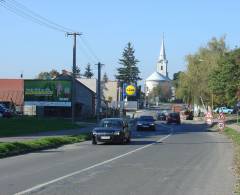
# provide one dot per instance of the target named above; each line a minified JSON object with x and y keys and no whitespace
{"x":174,"y":114}
{"x":146,"y":118}
{"x":110,"y":123}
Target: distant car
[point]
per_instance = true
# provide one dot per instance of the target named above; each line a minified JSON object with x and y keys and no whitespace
{"x":4,"y":112}
{"x":224,"y":110}
{"x":161,"y":116}
{"x":146,"y":122}
{"x":111,"y":130}
{"x":173,"y":117}
{"x":186,"y":115}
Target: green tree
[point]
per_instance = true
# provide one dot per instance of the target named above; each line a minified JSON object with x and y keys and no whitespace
{"x":78,"y":72}
{"x":176,"y":78}
{"x":129,"y":72}
{"x":224,"y":80}
{"x":88,"y":71}
{"x":105,"y":78}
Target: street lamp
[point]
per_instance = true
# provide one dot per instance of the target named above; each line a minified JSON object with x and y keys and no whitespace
{"x":202,"y":60}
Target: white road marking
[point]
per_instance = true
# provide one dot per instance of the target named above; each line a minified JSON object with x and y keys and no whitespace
{"x":38,"y":187}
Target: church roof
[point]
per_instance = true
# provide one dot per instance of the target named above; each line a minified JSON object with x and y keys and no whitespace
{"x":156,"y":76}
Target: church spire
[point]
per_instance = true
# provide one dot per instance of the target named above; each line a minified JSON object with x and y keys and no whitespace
{"x":162,"y":61}
{"x":162,"y":51}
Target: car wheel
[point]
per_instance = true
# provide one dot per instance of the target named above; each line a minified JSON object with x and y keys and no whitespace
{"x":124,"y":140}
{"x":128,"y":140}
{"x":94,"y":141}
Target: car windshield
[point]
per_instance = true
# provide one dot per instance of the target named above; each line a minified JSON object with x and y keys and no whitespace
{"x":110,"y":123}
{"x":146,"y":118}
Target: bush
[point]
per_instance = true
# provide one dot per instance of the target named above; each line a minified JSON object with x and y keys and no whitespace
{"x":15,"y":148}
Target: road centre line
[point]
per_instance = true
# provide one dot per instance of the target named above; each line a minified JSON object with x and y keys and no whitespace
{"x":38,"y":187}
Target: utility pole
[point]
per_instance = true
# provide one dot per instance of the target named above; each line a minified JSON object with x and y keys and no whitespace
{"x":74,"y":34}
{"x":99,"y":90}
{"x":122,"y":98}
{"x":212,"y":102}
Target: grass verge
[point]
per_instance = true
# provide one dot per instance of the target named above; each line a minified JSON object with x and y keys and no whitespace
{"x":235,"y":136}
{"x":16,"y":148}
{"x":32,"y":125}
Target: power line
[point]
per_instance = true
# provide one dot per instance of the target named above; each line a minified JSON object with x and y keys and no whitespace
{"x":41,"y":17}
{"x":24,"y":12}
{"x":87,"y":45}
{"x":87,"y":55}
{"x":28,"y":17}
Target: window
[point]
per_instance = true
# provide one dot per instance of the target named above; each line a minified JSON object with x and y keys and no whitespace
{"x":161,"y":67}
{"x":111,"y":123}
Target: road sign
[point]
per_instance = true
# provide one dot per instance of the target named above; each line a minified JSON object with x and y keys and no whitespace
{"x":221,"y":117}
{"x":209,"y":118}
{"x":221,"y":125}
{"x":209,"y":121}
{"x":130,"y":90}
{"x":209,"y":115}
{"x":221,"y":121}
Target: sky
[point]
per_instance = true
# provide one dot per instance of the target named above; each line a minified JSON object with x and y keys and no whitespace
{"x":106,"y":27}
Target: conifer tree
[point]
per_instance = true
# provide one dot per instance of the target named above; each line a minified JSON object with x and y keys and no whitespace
{"x":129,"y":72}
{"x":105,"y":78}
{"x":88,"y":71}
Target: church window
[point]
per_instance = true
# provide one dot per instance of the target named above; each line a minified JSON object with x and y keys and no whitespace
{"x":161,"y":67}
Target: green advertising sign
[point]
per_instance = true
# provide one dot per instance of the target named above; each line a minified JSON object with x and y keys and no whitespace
{"x":47,"y":92}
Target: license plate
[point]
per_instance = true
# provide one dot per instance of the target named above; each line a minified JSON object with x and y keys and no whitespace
{"x":105,"y":137}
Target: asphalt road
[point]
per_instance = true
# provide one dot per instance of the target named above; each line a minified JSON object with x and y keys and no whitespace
{"x":175,"y":160}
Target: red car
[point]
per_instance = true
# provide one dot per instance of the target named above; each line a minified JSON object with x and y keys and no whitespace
{"x":173,"y":117}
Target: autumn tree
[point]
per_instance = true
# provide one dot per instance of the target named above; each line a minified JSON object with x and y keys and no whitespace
{"x":48,"y":75}
{"x":161,"y":93}
{"x":194,"y":82}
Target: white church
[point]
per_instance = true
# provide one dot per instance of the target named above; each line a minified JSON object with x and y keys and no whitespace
{"x":160,"y":76}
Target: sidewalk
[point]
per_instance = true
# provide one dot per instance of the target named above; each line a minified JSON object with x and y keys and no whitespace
{"x":86,"y":129}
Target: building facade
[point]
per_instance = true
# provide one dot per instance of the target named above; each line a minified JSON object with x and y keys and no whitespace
{"x":85,"y":97}
{"x":109,"y":91}
{"x":12,"y":94}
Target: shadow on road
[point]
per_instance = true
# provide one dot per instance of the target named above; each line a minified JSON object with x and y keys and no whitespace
{"x":133,"y":142}
{"x":164,"y":129}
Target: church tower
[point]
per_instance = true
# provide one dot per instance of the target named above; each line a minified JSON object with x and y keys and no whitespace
{"x":162,"y":61}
